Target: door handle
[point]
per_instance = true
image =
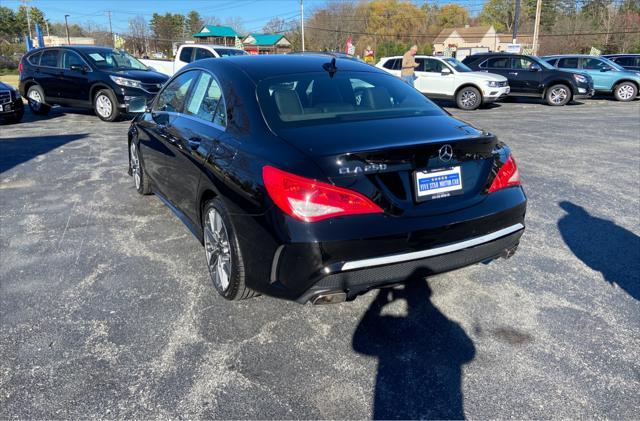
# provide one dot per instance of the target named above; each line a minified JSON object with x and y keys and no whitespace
{"x":513,"y":73}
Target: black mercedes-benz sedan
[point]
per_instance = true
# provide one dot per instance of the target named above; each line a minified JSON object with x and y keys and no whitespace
{"x":316,"y":179}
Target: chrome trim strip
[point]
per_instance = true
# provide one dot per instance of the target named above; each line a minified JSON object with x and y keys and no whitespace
{"x":397,"y":258}
{"x":274,"y":263}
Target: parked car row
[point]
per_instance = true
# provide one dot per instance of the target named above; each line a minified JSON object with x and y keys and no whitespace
{"x":106,"y":80}
{"x":487,"y":77}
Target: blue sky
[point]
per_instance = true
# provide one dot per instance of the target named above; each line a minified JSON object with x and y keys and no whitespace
{"x":254,"y":13}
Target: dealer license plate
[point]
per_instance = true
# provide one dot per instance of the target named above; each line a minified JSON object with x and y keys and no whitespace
{"x":1,"y":109}
{"x":437,"y":184}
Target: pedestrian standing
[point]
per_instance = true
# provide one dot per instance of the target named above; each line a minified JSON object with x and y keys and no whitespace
{"x":409,"y":64}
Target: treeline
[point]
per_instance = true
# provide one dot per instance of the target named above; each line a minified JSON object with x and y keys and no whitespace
{"x":390,"y":26}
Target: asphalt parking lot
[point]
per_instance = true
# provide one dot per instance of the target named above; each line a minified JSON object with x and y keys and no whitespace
{"x":107,"y":310}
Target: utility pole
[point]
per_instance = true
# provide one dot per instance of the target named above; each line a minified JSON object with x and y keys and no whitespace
{"x":516,"y":20}
{"x":46,"y":22}
{"x":66,"y":27}
{"x":302,"y":21}
{"x":26,"y":6}
{"x":536,"y":29}
{"x":113,"y":41}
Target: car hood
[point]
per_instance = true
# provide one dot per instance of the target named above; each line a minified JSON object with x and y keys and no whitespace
{"x":483,"y":76}
{"x":145,"y":76}
{"x":4,"y":86}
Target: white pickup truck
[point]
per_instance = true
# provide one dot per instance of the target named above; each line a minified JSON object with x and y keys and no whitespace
{"x":444,"y":77}
{"x":191,"y":52}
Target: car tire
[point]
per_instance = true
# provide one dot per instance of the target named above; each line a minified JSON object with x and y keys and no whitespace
{"x":35,"y":98}
{"x":140,"y":178}
{"x":105,"y":105}
{"x":625,"y":91}
{"x":558,"y":95}
{"x":468,"y":98}
{"x":223,"y":255}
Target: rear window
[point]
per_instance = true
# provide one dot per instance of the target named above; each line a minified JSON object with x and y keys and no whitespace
{"x":316,"y":98}
{"x":225,"y":52}
{"x":49,"y":58}
{"x":185,"y":54}
{"x":498,"y":63}
{"x":392,"y":64}
{"x":34,"y":58}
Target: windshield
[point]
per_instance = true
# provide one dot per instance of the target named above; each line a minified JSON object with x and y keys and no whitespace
{"x":542,"y":63}
{"x":612,"y":63}
{"x":115,"y":59}
{"x":226,"y":52}
{"x":317,"y":98}
{"x":457,"y":65}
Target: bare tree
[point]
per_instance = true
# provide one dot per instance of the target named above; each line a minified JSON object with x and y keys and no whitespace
{"x":138,"y":34}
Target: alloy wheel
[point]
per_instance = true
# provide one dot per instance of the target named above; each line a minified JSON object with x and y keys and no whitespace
{"x":135,"y":165}
{"x":217,"y":249}
{"x":558,"y":95}
{"x":104,"y":107}
{"x":626,"y":92}
{"x":35,"y":100}
{"x":469,"y":99}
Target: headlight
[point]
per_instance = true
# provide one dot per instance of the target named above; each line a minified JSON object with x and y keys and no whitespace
{"x":638,"y":74}
{"x":580,"y":78}
{"x":493,"y":83}
{"x":123,"y":81}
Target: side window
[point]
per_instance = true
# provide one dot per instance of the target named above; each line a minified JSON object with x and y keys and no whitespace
{"x":568,"y":63}
{"x":206,"y":101}
{"x":498,"y":63}
{"x":69,"y":58}
{"x":593,"y":64}
{"x":173,"y":95}
{"x":625,"y":61}
{"x":521,"y":63}
{"x":202,"y":53}
{"x":433,"y":66}
{"x":185,"y":54}
{"x":49,"y":58}
{"x":391,"y":64}
{"x":552,"y":61}
{"x":420,"y":67}
{"x":34,"y":59}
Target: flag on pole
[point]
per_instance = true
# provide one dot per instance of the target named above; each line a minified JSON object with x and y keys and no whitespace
{"x":39,"y":36}
{"x":238,"y":43}
{"x":27,"y":43}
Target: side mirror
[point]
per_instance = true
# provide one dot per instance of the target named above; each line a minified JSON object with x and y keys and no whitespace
{"x":445,"y":71}
{"x":78,"y":68}
{"x":535,"y":68}
{"x":137,"y":105}
{"x":605,"y":69}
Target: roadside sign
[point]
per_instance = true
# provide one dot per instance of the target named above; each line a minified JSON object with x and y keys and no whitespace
{"x":595,"y":52}
{"x":513,"y":48}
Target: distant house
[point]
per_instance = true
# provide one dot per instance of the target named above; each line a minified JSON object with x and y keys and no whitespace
{"x":221,"y":35}
{"x":266,"y":44}
{"x":54,"y":41}
{"x":469,"y":37}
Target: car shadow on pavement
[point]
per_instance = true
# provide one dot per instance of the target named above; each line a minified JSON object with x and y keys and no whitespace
{"x":420,"y":355}
{"x":16,"y":150}
{"x":603,"y":246}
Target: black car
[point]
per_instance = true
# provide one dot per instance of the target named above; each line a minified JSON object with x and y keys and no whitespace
{"x":315,"y":179}
{"x":628,"y":61}
{"x":11,"y":106}
{"x":99,"y":78}
{"x":530,"y":76}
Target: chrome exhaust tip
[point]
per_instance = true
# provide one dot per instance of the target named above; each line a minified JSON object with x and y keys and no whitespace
{"x":328,"y":298}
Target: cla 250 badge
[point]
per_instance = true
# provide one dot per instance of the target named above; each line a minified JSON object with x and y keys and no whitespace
{"x":363,"y":169}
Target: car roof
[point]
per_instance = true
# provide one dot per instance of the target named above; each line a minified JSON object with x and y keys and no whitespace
{"x":77,"y":47}
{"x":621,"y":55}
{"x":272,"y":65}
{"x":570,"y":55}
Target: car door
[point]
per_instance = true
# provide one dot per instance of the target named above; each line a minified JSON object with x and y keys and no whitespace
{"x":393,"y":66}
{"x":48,"y":73}
{"x":431,"y":80}
{"x":74,"y":77}
{"x":527,"y":74}
{"x":500,"y":65}
{"x":199,"y":130}
{"x":157,"y":139}
{"x":185,"y":57}
{"x":601,"y":72}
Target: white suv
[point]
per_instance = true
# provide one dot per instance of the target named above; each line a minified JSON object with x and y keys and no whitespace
{"x":445,"y":77}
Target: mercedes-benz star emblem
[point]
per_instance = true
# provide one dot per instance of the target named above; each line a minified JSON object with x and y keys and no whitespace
{"x":445,"y":153}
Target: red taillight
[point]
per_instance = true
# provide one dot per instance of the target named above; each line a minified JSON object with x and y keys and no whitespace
{"x":310,"y":200}
{"x":20,"y":67}
{"x":508,"y":175}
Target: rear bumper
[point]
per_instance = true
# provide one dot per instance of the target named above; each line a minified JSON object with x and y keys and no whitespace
{"x":362,"y":252}
{"x":357,"y":277}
